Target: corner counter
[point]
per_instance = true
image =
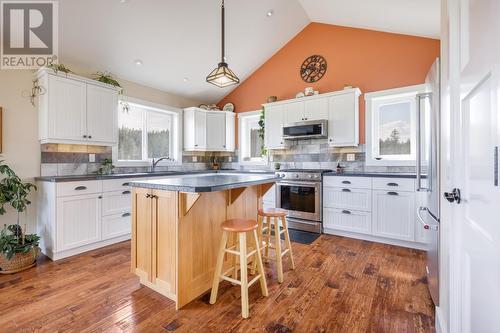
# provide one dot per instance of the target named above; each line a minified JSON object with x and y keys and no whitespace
{"x":176,"y":228}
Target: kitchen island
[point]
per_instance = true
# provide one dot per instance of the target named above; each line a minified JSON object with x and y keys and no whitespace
{"x":176,"y":228}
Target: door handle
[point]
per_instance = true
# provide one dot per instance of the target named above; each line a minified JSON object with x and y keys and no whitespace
{"x":453,"y":196}
{"x":495,"y":166}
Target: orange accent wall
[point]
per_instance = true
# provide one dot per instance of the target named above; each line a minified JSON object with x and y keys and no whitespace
{"x":370,"y":60}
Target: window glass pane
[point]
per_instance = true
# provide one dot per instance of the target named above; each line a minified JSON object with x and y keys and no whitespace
{"x":395,"y":129}
{"x":130,"y":134}
{"x":256,"y":143}
{"x":159,"y":127}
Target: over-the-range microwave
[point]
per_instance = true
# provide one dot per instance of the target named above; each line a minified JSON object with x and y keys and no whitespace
{"x":309,"y":129}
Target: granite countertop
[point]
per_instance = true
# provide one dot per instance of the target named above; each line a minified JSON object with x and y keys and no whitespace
{"x":58,"y":179}
{"x":371,"y":174}
{"x":207,"y":183}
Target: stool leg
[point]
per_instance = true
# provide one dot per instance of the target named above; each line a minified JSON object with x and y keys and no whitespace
{"x":268,"y":242}
{"x":287,"y":241}
{"x":260,"y":267}
{"x":235,"y":258}
{"x":259,"y":241}
{"x":244,"y":274}
{"x":218,"y":268}
{"x":279,"y":259}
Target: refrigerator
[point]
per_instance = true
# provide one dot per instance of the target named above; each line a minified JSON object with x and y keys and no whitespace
{"x":427,"y":169}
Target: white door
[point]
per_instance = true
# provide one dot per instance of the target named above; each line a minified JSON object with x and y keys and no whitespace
{"x":216,"y":131}
{"x":67,"y":110}
{"x":394,"y":214}
{"x":316,"y":109}
{"x":475,"y":292}
{"x":274,"y":120}
{"x":200,"y":130}
{"x":294,"y":112}
{"x":78,"y":221}
{"x":343,"y":120}
{"x":102,"y":108}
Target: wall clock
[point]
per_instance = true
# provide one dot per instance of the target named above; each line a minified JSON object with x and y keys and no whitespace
{"x":313,"y":68}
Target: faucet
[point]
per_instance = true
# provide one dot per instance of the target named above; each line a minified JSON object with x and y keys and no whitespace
{"x":154,"y":162}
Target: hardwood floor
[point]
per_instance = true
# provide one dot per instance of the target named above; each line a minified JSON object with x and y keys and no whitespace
{"x":340,"y":285}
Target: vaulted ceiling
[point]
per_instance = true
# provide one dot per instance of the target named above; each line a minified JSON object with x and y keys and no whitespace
{"x":178,"y":42}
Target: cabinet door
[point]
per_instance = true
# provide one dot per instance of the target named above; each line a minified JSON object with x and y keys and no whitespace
{"x":294,"y":112}
{"x":102,"y":108}
{"x":200,"y":130}
{"x":347,"y":220}
{"x":316,"y":109}
{"x":343,"y":120}
{"x":78,"y":221}
{"x":394,"y":214}
{"x":216,"y":131}
{"x":142,"y":237}
{"x":116,"y":225}
{"x":274,"y":120}
{"x":230,"y":132}
{"x":66,"y":109}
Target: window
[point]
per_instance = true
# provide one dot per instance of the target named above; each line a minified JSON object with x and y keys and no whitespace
{"x":391,"y":117}
{"x":145,"y":132}
{"x":251,"y":142}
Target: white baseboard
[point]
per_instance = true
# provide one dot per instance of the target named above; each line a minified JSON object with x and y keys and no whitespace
{"x":376,"y":239}
{"x":68,"y":253}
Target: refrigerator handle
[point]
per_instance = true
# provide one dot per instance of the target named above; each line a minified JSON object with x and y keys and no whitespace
{"x":420,"y":97}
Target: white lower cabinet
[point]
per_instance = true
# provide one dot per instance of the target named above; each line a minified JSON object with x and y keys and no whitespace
{"x":376,"y":209}
{"x":116,"y":225}
{"x":82,"y":221}
{"x":394,"y":214}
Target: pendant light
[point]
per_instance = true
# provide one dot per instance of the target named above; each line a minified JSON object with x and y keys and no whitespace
{"x":222,"y":76}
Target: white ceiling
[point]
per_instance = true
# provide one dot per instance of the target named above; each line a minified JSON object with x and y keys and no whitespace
{"x":181,"y":39}
{"x":410,"y":17}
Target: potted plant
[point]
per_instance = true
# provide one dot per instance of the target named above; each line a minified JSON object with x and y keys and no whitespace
{"x":18,"y":251}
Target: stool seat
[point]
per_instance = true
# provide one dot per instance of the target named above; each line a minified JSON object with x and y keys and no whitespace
{"x":239,"y":225}
{"x":272,"y":212}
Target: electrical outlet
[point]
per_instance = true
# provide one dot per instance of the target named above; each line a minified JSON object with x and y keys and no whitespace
{"x":271,"y":158}
{"x":91,"y":158}
{"x":195,"y":159}
{"x":351,"y":157}
{"x":230,"y":159}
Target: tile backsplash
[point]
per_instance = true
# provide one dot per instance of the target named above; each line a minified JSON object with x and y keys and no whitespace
{"x":62,"y":160}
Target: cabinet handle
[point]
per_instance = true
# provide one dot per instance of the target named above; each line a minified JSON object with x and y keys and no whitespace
{"x":126,"y":184}
{"x":148,"y":196}
{"x":154,"y":196}
{"x":125,"y":214}
{"x":392,"y":184}
{"x":126,"y":192}
{"x":346,"y":212}
{"x":196,"y":145}
{"x":392,"y":193}
{"x":346,"y":190}
{"x":90,"y":136}
{"x":80,"y":188}
{"x":330,"y":139}
{"x":84,"y":136}
{"x":346,"y":182}
{"x":99,"y":197}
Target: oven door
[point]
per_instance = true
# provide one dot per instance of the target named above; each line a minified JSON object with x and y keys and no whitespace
{"x":300,"y":199}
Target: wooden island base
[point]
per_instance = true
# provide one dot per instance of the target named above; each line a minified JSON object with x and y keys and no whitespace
{"x":176,"y":235}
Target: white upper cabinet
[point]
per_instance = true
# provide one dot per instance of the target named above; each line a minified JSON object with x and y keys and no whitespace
{"x":274,"y":121}
{"x":340,"y":108}
{"x":100,"y":121}
{"x":76,"y":110}
{"x":343,"y":119}
{"x":208,"y":130}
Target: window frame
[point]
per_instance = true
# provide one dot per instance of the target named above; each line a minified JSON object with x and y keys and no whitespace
{"x":373,"y":101}
{"x":176,"y":136}
{"x":244,"y":138}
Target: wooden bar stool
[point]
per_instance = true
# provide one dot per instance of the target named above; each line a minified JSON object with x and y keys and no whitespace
{"x":269,"y":218}
{"x":240,"y":227}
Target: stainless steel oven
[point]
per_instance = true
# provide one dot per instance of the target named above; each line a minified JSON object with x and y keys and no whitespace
{"x":300,"y":193}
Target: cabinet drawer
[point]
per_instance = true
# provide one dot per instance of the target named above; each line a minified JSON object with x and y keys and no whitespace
{"x":116,"y":184}
{"x":394,"y":184}
{"x":347,"y":198}
{"x":116,"y":202}
{"x":350,"y":182}
{"x":116,"y":225}
{"x":79,"y":188}
{"x":347,"y":220}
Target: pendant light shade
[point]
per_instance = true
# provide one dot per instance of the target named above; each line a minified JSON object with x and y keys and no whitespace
{"x":222,"y":76}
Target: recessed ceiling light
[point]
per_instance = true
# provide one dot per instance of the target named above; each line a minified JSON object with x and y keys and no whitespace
{"x":270,"y":13}
{"x":138,"y":62}
{"x":185,"y":79}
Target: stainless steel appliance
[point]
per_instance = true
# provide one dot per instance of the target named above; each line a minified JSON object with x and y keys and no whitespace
{"x":306,"y":130}
{"x":428,"y":105}
{"x":300,"y":193}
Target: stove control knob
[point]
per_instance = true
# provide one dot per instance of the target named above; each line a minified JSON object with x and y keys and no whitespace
{"x":282,"y":175}
{"x":310,"y":176}
{"x":296,"y":175}
{"x":316,"y":176}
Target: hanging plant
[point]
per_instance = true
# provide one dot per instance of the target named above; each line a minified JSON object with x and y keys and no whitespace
{"x":262,"y":127}
{"x":106,"y":77}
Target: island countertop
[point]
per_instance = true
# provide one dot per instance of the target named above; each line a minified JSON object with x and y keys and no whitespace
{"x":206,"y":183}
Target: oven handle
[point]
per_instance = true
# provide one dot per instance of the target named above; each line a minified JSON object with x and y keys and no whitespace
{"x":301,"y":183}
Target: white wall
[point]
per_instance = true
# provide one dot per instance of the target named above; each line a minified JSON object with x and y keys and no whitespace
{"x":21,"y":149}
